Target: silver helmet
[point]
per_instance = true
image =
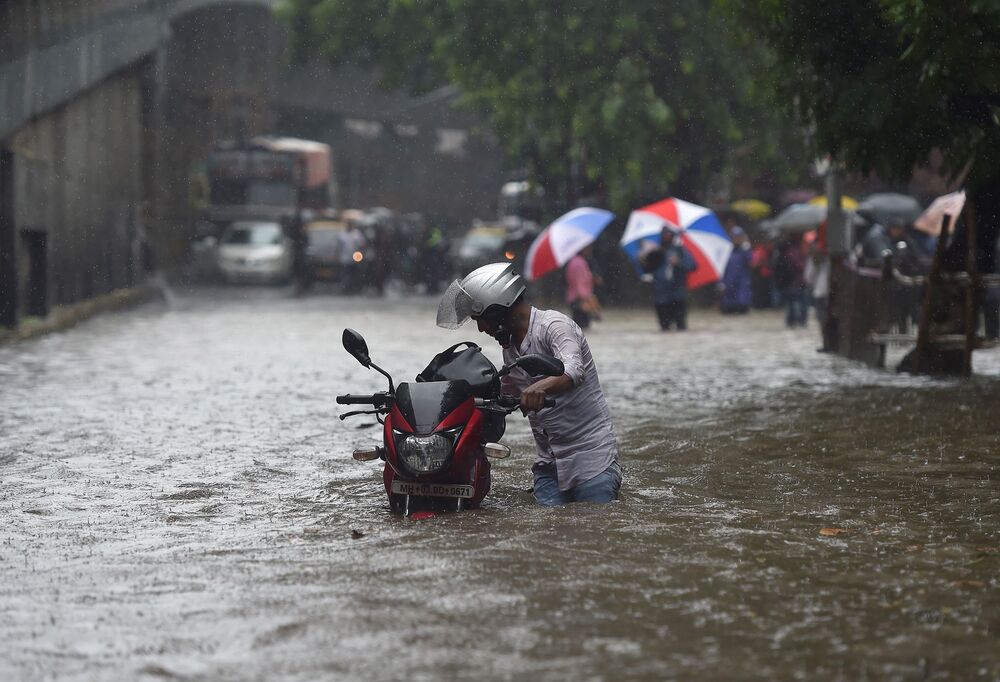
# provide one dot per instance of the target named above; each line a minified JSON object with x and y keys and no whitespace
{"x":495,"y":284}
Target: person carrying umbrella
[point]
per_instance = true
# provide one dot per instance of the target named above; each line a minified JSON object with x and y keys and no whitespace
{"x":676,"y":245}
{"x":668,"y":263}
{"x":577,"y":450}
{"x":580,"y":289}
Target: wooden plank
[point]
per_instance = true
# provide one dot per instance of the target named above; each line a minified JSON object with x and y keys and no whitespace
{"x":941,"y":341}
{"x":971,"y":318}
{"x":933,"y":279}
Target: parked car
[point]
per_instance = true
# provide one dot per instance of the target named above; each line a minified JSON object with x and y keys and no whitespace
{"x":324,"y":242}
{"x":255,"y":252}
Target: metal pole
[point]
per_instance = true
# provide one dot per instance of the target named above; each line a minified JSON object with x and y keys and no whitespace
{"x":838,"y":239}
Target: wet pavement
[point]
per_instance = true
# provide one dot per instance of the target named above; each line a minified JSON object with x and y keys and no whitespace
{"x":179,"y":502}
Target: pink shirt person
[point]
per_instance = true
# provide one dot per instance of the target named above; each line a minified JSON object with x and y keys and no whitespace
{"x":579,"y":280}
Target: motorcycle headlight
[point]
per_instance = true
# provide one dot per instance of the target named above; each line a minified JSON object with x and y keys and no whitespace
{"x":425,"y":453}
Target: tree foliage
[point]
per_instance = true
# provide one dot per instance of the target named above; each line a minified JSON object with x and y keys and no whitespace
{"x":623,"y":98}
{"x":884,"y":82}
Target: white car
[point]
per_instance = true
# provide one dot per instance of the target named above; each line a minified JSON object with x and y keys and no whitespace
{"x":255,"y":252}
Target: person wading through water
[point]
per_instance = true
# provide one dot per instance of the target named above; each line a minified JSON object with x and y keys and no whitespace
{"x":576,"y":458}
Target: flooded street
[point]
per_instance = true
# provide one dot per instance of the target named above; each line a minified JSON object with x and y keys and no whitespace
{"x":179,"y":502}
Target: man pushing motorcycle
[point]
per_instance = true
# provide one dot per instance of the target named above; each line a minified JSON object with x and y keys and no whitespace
{"x":577,"y":451}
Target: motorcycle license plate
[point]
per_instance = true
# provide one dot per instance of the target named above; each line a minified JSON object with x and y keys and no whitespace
{"x":432,"y":489}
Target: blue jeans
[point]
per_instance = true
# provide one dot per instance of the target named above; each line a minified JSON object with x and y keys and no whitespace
{"x":601,"y":488}
{"x":798,"y":307}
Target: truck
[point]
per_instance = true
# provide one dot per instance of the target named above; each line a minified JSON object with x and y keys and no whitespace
{"x":268,"y":178}
{"x":283,"y":181}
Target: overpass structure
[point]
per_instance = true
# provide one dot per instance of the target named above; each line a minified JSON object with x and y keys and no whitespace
{"x":108,"y":109}
{"x":105,"y":107}
{"x":53,"y":51}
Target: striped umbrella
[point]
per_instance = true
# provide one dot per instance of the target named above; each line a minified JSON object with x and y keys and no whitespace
{"x":563,"y":239}
{"x":699,"y":230}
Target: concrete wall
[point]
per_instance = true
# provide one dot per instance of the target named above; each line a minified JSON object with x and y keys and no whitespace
{"x":43,"y":23}
{"x":77,"y":182}
{"x":51,"y":50}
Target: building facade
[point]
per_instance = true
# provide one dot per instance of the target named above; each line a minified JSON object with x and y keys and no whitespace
{"x":106,"y":106}
{"x":108,"y":109}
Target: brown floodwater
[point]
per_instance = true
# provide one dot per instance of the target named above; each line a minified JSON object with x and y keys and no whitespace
{"x":179,"y":502}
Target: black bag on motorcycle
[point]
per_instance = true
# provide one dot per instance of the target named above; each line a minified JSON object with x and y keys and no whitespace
{"x":471,"y":365}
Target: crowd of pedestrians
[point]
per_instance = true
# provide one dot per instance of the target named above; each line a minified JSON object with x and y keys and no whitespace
{"x":792,"y":272}
{"x":778,"y":271}
{"x":772,"y":274}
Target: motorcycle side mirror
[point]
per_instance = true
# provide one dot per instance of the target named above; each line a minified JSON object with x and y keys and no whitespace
{"x":537,"y":364}
{"x":355,"y":344}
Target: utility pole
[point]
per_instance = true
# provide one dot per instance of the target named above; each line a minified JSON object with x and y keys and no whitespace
{"x":838,"y":244}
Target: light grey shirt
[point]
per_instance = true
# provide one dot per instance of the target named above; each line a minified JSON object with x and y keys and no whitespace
{"x":577,"y":434}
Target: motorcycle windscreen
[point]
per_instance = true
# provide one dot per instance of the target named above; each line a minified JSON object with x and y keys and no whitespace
{"x":425,"y":405}
{"x":455,"y":307}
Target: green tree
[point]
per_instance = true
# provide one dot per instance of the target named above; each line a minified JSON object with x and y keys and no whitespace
{"x":624,"y":99}
{"x":885,"y":82}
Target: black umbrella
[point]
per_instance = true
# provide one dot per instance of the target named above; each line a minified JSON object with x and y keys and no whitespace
{"x":884,"y":206}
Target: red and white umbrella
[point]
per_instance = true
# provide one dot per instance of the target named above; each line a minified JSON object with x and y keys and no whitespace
{"x":700,"y":232}
{"x":563,"y":239}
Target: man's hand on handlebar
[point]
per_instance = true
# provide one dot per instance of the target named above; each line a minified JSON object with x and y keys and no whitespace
{"x":532,"y":398}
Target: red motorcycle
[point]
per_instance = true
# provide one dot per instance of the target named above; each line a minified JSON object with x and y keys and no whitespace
{"x":439,"y":431}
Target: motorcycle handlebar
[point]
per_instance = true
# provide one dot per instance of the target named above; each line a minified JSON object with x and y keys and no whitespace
{"x":512,"y":403}
{"x":376,"y":399}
